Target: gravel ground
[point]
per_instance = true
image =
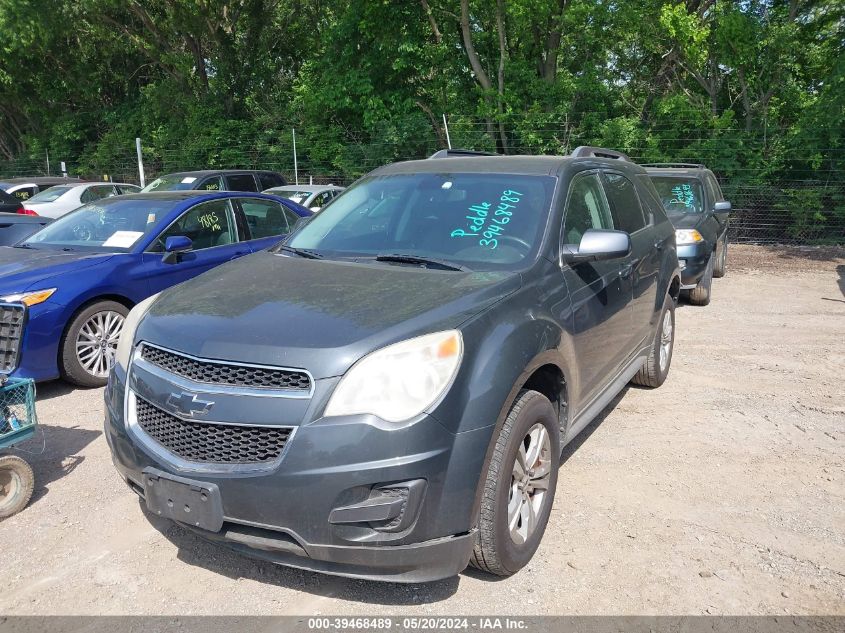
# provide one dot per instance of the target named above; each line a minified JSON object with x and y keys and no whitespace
{"x":723,"y":492}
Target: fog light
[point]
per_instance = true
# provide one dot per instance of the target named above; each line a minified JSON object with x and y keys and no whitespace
{"x":682,"y":263}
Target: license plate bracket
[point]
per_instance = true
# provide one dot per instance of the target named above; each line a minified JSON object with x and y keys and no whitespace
{"x":195,"y":503}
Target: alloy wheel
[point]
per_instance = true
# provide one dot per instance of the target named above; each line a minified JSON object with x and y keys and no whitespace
{"x":529,"y":483}
{"x":665,"y":340}
{"x":96,"y":342}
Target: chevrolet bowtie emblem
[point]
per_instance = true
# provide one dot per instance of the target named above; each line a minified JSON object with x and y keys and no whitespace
{"x":188,"y":405}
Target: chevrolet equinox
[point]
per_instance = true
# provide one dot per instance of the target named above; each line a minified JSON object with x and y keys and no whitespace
{"x":386,"y":394}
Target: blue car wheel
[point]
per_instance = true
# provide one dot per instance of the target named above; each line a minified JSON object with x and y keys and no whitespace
{"x":90,"y":343}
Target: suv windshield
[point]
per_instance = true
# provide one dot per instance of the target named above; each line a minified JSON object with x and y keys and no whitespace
{"x":50,"y":195}
{"x":479,"y":220}
{"x":103,"y":226}
{"x":173,"y":182}
{"x":679,"y":195}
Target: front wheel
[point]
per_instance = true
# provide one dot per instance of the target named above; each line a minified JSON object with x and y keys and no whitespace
{"x":90,"y":343}
{"x":519,"y":486}
{"x":700,"y":295}
{"x":721,"y":266}
{"x":17,"y":482}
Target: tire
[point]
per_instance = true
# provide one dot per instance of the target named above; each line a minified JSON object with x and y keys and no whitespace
{"x":497,"y":551}
{"x":17,"y":482}
{"x":700,"y":295}
{"x":91,"y":369}
{"x":721,"y":266}
{"x":656,"y":367}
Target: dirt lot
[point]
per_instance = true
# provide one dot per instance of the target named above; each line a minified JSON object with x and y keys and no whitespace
{"x":722,"y":492}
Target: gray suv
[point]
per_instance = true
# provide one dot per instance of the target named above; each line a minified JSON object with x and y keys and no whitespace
{"x":693,"y":200}
{"x":386,"y":394}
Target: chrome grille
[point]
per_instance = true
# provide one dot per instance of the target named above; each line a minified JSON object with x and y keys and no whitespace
{"x":222,"y":373}
{"x":209,"y":443}
{"x":12,"y":317}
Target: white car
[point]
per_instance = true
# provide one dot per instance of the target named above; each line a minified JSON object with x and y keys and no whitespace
{"x":56,"y":201}
{"x":313,"y":197}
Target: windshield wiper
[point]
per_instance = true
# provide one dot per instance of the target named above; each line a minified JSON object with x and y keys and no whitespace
{"x":27,"y":246}
{"x":417,"y":259}
{"x":302,"y":252}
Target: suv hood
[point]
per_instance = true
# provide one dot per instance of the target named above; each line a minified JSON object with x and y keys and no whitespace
{"x":686,"y":220}
{"x":22,"y":268}
{"x":318,"y":315}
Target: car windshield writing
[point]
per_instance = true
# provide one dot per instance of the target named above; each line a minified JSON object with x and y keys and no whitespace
{"x":114,"y":225}
{"x":50,"y":195}
{"x":679,"y":195}
{"x":479,"y":220}
{"x":171,"y":183}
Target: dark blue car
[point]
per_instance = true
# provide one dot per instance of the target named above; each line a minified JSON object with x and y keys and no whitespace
{"x":80,"y":275}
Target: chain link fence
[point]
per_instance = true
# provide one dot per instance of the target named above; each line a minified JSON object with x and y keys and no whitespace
{"x":808,"y":208}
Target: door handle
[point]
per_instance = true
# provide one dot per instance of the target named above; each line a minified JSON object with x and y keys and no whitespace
{"x":658,"y":244}
{"x":627,"y":269}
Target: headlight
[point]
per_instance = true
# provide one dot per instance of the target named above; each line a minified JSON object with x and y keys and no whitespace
{"x":402,"y":380}
{"x":130,"y":326}
{"x":30,"y":298}
{"x":687,"y":236}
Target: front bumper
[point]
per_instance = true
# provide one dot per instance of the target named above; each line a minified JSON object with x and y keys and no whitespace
{"x":288,"y":514}
{"x":693,"y":260}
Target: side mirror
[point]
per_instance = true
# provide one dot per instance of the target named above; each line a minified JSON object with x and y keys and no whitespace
{"x":722,"y":207}
{"x":598,"y":245}
{"x":173,"y":246}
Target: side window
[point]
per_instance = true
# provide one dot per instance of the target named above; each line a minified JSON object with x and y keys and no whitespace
{"x":208,"y":225}
{"x":714,"y":189}
{"x":25,"y":193}
{"x":586,"y":209}
{"x":97,"y":192}
{"x":265,"y":218}
{"x":124,"y":189}
{"x":650,"y":198}
{"x":214,"y":183}
{"x":270,"y":180}
{"x":240,"y":182}
{"x":320,"y":200}
{"x":624,"y":203}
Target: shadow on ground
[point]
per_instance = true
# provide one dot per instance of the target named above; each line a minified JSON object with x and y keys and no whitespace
{"x":53,"y":453}
{"x":53,"y":389}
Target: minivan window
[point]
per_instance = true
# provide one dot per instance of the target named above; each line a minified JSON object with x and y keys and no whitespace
{"x":268,"y":180}
{"x":624,"y":203}
{"x":475,"y":219}
{"x":679,"y":195}
{"x":240,"y":182}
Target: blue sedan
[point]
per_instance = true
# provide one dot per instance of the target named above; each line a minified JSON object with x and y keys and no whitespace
{"x":80,"y":275}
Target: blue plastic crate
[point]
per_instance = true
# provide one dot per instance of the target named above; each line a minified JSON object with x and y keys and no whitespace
{"x":17,"y":411}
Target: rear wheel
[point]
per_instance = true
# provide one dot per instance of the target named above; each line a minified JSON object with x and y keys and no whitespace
{"x":17,"y":482}
{"x":721,"y":266}
{"x":90,"y":343}
{"x":519,"y":486}
{"x":656,"y":367}
{"x":700,"y":295}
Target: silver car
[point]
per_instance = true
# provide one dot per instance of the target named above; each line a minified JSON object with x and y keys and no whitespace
{"x":313,"y":197}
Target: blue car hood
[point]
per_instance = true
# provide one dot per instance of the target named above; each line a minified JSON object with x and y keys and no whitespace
{"x":23,"y":269}
{"x":319,"y":315}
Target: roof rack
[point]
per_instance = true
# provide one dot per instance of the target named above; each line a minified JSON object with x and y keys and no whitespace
{"x":457,"y":153}
{"x":587,"y":151}
{"x":671,"y":165}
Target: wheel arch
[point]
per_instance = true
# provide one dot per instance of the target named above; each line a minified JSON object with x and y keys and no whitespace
{"x":545,"y":373}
